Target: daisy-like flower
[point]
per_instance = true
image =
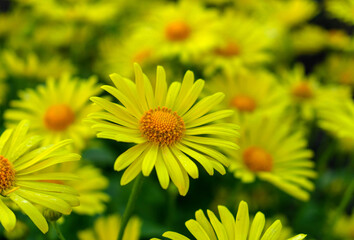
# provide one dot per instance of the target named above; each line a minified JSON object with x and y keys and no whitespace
{"x":23,"y":183}
{"x":271,"y":150}
{"x":306,"y":93}
{"x":337,"y":117}
{"x":341,"y":9}
{"x":168,"y":125}
{"x":56,"y":109}
{"x":107,"y":228}
{"x":309,"y":39}
{"x":243,"y":42}
{"x":184,"y":29}
{"x":242,"y":95}
{"x":229,"y":227}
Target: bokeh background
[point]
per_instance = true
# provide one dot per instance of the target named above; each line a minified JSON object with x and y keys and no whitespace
{"x":287,"y":40}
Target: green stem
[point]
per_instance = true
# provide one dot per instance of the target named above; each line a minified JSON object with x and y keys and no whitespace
{"x":344,"y":203}
{"x":57,"y":229}
{"x":130,"y":206}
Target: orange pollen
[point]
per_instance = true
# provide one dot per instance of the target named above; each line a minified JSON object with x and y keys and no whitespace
{"x":7,"y":174}
{"x":162,"y":126}
{"x":229,"y":50}
{"x":302,"y":90}
{"x":243,"y":103}
{"x":177,"y":31}
{"x":59,"y":117}
{"x":257,"y":160}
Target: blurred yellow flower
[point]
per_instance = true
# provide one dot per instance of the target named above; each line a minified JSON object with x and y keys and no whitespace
{"x":23,"y":183}
{"x":168,"y":125}
{"x":272,"y":149}
{"x":341,"y":9}
{"x":309,"y":39}
{"x":230,"y":228}
{"x":107,"y":228}
{"x":344,"y":227}
{"x":56,"y":109}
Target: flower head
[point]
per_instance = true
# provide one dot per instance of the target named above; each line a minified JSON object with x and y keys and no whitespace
{"x":56,"y":110}
{"x":23,"y":182}
{"x":230,"y":228}
{"x":169,"y":126}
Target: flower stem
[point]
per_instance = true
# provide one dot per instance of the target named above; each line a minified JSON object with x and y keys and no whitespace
{"x":344,"y":203}
{"x":57,"y":229}
{"x":130,"y":206}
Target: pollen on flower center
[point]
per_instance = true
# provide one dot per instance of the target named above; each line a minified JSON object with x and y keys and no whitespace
{"x":257,"y":159}
{"x":302,"y":90}
{"x":229,"y":50}
{"x":59,"y":117}
{"x":162,"y":126}
{"x":243,"y":103}
{"x":7,"y":174}
{"x":177,"y":31}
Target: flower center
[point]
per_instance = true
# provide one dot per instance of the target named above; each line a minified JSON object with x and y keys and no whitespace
{"x":243,"y":103}
{"x":346,"y":78}
{"x":7,"y":174}
{"x":257,"y":160}
{"x":162,"y":126}
{"x":141,"y":56}
{"x":229,"y":50}
{"x":177,"y":31}
{"x":59,"y":117}
{"x":302,"y":90}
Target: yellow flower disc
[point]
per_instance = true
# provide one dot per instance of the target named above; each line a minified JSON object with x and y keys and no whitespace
{"x":162,"y":126}
{"x":257,"y":160}
{"x":302,"y":90}
{"x":7,"y":174}
{"x":177,"y":31}
{"x":59,"y":117}
{"x":243,"y":103}
{"x":230,"y":50}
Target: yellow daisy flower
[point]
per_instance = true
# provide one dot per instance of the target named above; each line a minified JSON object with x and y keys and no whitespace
{"x":184,"y":29}
{"x":168,"y":125}
{"x":21,"y":182}
{"x":339,"y":40}
{"x":337,"y":117}
{"x":271,"y":150}
{"x":229,"y":227}
{"x":306,"y":93}
{"x":243,"y":42}
{"x":267,"y":98}
{"x":56,"y":109}
{"x":341,"y":9}
{"x":32,"y":67}
{"x":309,"y":39}
{"x":107,"y":228}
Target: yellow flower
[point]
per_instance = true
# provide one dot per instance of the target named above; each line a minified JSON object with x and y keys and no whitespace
{"x":32,"y":67}
{"x":341,"y":9}
{"x":273,"y":151}
{"x":168,"y":125}
{"x":56,"y":109}
{"x":309,"y":39}
{"x":107,"y":228}
{"x":306,"y":93}
{"x":243,"y":42}
{"x":344,"y":227}
{"x":267,"y":98}
{"x":230,"y":228}
{"x":23,"y":183}
{"x":185,"y":30}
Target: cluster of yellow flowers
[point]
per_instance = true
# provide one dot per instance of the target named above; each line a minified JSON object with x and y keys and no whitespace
{"x":252,"y":121}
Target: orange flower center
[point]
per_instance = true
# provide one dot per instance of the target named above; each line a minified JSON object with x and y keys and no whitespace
{"x":243,"y":103}
{"x":229,"y":50}
{"x":346,"y":78}
{"x":7,"y":174}
{"x":257,"y":160}
{"x":177,"y":31}
{"x":302,"y":90}
{"x":141,"y":56}
{"x":162,"y":126}
{"x":59,"y":117}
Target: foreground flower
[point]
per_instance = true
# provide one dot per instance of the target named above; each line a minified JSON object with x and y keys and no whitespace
{"x":107,"y":228}
{"x":56,"y":110}
{"x":168,"y":125}
{"x":230,"y":228}
{"x":23,"y":183}
{"x":274,"y":152}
